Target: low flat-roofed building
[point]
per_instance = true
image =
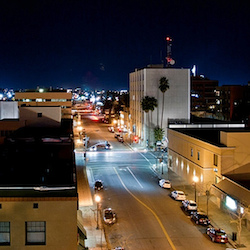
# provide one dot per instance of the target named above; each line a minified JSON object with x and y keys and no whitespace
{"x":38,"y":191}
{"x":46,"y":98}
{"x":211,"y":154}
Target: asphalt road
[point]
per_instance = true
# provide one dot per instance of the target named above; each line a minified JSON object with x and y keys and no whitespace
{"x":148,"y":218}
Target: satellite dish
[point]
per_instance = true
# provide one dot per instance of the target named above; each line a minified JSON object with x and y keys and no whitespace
{"x":172,"y":62}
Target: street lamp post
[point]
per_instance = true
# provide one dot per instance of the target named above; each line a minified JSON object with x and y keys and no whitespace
{"x":195,"y":179}
{"x":97,"y":199}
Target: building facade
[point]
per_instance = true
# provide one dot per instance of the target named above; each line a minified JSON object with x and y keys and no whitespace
{"x":203,"y":94}
{"x":38,"y":222}
{"x":50,"y":98}
{"x":145,"y":82}
{"x":212,"y":155}
{"x":38,"y":190}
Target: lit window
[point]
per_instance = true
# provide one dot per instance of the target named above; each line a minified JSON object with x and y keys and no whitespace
{"x":35,"y":232}
{"x":40,"y":100}
{"x":4,"y":233}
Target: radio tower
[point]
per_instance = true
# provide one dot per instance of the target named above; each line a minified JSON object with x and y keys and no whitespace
{"x":170,"y":60}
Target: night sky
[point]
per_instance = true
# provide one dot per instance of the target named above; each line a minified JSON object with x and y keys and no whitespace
{"x":96,"y":44}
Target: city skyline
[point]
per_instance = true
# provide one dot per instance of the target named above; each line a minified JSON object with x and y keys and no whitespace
{"x":96,"y":44}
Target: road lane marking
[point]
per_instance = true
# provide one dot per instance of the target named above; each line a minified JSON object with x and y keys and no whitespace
{"x":155,"y":215}
{"x":134,"y":177}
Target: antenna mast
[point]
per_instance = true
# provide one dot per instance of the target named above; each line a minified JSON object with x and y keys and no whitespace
{"x":170,"y":60}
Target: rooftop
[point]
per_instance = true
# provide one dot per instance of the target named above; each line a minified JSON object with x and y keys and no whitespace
{"x":38,"y":157}
{"x":210,"y":135}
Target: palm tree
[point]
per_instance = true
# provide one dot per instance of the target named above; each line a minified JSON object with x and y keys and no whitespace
{"x":148,"y":104}
{"x":163,"y":86}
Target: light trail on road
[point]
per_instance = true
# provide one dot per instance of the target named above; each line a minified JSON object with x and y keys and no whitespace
{"x":155,"y":215}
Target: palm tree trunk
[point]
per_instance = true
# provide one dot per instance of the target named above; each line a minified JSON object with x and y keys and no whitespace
{"x":148,"y":129}
{"x":162,"y":110}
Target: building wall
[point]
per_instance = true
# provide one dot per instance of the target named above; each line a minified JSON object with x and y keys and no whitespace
{"x":190,"y":157}
{"x":62,"y":99}
{"x":7,"y":127}
{"x":9,"y":110}
{"x":145,"y":82}
{"x":241,"y":142}
{"x":41,"y":116}
{"x":60,"y":215}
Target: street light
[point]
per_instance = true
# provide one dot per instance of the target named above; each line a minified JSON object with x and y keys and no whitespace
{"x":97,"y":199}
{"x":195,"y":179}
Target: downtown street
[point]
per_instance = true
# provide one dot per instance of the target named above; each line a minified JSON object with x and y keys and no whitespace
{"x":147,"y":217}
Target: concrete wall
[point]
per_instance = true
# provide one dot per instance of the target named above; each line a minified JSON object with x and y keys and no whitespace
{"x":177,"y":99}
{"x":9,"y":110}
{"x":241,"y":142}
{"x":62,"y":99}
{"x":183,"y":154}
{"x":48,"y":116}
{"x":60,"y":216}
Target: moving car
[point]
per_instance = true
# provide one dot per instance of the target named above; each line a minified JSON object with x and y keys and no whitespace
{"x":217,"y":235}
{"x":100,"y":147}
{"x":178,"y":195}
{"x":189,"y":205}
{"x":200,"y":218}
{"x":98,"y":185}
{"x":164,"y":183}
{"x":109,"y":216}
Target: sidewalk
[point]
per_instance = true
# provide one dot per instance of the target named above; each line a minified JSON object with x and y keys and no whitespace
{"x":95,"y":237}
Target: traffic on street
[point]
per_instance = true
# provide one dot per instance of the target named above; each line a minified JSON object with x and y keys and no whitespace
{"x":146,"y":215}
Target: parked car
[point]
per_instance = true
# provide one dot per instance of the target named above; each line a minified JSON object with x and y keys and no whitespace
{"x":178,"y":195}
{"x":98,"y":185}
{"x":109,"y":216}
{"x":200,"y":218}
{"x":120,"y":139}
{"x":117,"y":135}
{"x":164,"y":183}
{"x":111,"y":129}
{"x":217,"y":235}
{"x":189,"y":205}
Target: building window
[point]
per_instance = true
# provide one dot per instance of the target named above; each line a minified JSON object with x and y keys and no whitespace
{"x":215,"y":160}
{"x":35,"y":232}
{"x":198,"y":156}
{"x":39,"y":114}
{"x":35,"y":205}
{"x":4,"y":233}
{"x":192,"y":152}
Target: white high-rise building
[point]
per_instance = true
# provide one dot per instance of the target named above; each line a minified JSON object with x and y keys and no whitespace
{"x":145,"y":82}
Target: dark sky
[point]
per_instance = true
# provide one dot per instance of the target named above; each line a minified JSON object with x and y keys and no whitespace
{"x":96,"y":44}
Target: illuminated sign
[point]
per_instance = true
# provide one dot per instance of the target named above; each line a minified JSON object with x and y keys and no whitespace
{"x":231,"y":203}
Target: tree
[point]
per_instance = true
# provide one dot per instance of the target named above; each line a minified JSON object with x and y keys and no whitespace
{"x":158,"y":133}
{"x":238,"y":217}
{"x":148,"y":104}
{"x":163,"y":86}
